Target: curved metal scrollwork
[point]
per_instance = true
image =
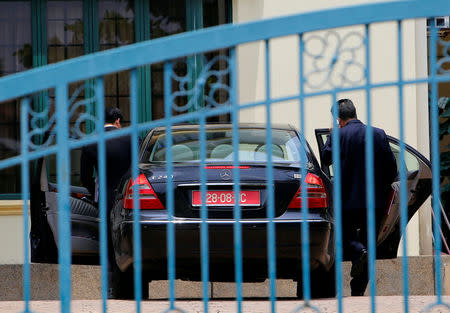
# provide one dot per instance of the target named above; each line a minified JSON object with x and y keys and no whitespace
{"x":204,"y":88}
{"x":81,"y":109}
{"x":436,"y":307}
{"x":334,"y":60}
{"x":42,"y":123}
{"x":307,"y":306}
{"x":41,"y":126}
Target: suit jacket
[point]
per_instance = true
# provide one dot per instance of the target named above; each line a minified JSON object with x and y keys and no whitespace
{"x":353,"y":167}
{"x":118,"y":161}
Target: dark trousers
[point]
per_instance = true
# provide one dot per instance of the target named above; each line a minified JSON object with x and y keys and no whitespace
{"x":111,"y":264}
{"x":354,"y":244}
{"x":358,"y":283}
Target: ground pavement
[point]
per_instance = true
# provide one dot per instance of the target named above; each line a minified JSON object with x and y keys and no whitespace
{"x":384,"y":304}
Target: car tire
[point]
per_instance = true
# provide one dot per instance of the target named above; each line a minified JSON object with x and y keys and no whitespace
{"x":323,"y":284}
{"x":122,"y":285}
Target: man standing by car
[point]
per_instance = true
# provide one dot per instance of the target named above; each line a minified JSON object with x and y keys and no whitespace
{"x":352,"y":134}
{"x":118,"y":158}
{"x":118,"y":161}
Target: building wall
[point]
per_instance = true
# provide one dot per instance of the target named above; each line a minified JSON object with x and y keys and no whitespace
{"x":12,"y":234}
{"x":285,"y":81}
{"x":284,"y":68}
{"x":41,"y":32}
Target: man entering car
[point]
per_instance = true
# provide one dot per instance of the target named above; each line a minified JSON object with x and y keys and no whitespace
{"x":352,"y":134}
{"x":118,"y":160}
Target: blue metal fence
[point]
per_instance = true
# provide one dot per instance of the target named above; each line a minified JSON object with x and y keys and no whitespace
{"x":56,"y":78}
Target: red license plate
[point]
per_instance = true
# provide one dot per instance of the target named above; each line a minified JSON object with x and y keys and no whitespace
{"x":226,"y":198}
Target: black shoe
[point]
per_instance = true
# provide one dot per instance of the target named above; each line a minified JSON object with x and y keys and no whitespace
{"x":359,"y":265}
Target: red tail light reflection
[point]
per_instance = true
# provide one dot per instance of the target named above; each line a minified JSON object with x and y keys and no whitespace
{"x":148,"y":199}
{"x":315,"y":191}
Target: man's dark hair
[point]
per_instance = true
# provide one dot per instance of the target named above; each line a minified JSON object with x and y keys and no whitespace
{"x":347,"y":109}
{"x":112,"y":114}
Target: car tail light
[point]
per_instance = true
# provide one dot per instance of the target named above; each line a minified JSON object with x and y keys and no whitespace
{"x":147,"y":196}
{"x":315,"y":190}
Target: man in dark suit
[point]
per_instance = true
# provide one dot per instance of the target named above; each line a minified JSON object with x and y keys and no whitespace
{"x":118,"y":158}
{"x":352,"y":133}
{"x":118,"y":161}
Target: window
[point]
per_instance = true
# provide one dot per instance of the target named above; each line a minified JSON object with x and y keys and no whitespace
{"x":56,"y":30}
{"x":166,"y":18}
{"x":15,"y":56}
{"x":411,"y":162}
{"x":65,"y":40}
{"x":116,"y":28}
{"x":64,"y":30}
{"x":286,"y":147}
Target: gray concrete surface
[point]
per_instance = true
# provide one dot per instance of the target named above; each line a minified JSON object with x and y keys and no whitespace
{"x":86,"y":282}
{"x":383,"y":304}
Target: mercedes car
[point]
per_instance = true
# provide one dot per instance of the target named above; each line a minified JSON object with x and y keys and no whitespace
{"x":288,"y":152}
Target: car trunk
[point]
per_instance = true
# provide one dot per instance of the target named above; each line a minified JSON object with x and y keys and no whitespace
{"x":219,"y":182}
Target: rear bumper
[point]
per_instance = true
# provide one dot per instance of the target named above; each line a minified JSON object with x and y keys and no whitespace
{"x":254,"y":236}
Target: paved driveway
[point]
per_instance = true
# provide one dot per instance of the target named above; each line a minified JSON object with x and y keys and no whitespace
{"x":384,"y":304}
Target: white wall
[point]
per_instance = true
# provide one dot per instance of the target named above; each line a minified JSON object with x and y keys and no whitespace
{"x":284,"y":68}
{"x":285,"y":81}
{"x":11,"y":241}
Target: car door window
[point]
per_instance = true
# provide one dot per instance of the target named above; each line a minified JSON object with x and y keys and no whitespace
{"x":411,"y":162}
{"x":75,"y":155}
{"x":330,"y":167}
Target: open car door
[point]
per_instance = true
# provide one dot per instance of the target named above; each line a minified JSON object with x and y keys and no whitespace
{"x":418,"y":175}
{"x":44,"y":220}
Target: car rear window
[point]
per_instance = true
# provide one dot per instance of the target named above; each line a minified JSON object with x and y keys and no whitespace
{"x":286,"y":147}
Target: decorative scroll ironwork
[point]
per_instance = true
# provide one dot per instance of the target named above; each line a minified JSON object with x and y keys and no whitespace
{"x":436,"y":307}
{"x":42,"y":123}
{"x":81,"y":109}
{"x":334,"y":59}
{"x":205,"y":88}
{"x":41,"y":126}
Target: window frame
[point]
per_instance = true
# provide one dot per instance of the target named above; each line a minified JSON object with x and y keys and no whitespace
{"x":91,"y":45}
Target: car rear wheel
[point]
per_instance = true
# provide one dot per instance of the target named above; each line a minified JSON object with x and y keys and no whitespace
{"x":323,"y":284}
{"x":122,"y":284}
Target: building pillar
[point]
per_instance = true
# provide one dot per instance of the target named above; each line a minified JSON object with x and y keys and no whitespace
{"x":423,"y":133}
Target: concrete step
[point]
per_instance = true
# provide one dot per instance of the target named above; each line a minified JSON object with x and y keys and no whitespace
{"x":86,"y":282}
{"x":383,"y":304}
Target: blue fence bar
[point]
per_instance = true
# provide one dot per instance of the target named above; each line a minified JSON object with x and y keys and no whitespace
{"x":195,"y":46}
{"x":204,"y":232}
{"x":168,"y":68}
{"x":271,"y":252}
{"x":103,"y":215}
{"x":304,"y":226}
{"x":237,"y":230}
{"x":370,"y":179}
{"x":63,"y":179}
{"x":402,"y":169}
{"x":24,"y":107}
{"x":435,"y":165}
{"x":306,"y":277}
{"x":337,"y":201}
{"x":137,"y":252}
